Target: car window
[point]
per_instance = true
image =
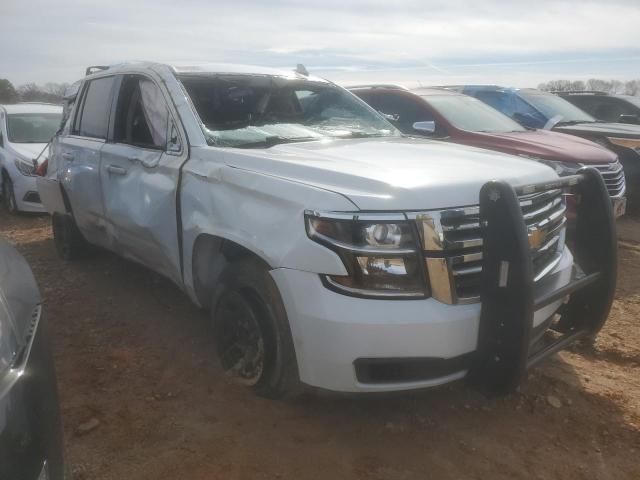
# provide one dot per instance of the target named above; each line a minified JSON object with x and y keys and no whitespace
{"x":604,"y":108}
{"x":526,"y":115}
{"x":407,"y":110}
{"x":501,"y":101}
{"x":471,"y":114}
{"x":141,"y":114}
{"x":551,"y":106}
{"x":93,"y":118}
{"x":248,"y":111}
{"x":32,"y":127}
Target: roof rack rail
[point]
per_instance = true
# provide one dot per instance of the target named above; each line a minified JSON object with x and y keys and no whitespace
{"x":596,"y":92}
{"x":377,"y":85}
{"x":95,"y":68}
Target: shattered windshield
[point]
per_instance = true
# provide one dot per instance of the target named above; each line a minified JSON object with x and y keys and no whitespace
{"x":245,"y":111}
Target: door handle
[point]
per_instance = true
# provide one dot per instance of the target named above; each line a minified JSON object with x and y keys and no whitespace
{"x":68,"y":156}
{"x":135,"y":159}
{"x":116,"y":170}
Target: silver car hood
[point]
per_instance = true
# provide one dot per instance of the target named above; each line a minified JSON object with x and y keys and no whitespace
{"x":392,"y":173}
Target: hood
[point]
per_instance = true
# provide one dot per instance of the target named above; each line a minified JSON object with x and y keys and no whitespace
{"x":29,"y":151}
{"x":546,"y":145}
{"x":392,"y":173}
{"x":621,"y":130}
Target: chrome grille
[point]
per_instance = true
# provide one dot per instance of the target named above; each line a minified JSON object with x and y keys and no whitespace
{"x":452,"y":242}
{"x":613,"y":176}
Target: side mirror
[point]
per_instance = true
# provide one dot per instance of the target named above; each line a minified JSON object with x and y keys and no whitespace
{"x":425,"y":127}
{"x":629,"y":119}
{"x":173,"y":144}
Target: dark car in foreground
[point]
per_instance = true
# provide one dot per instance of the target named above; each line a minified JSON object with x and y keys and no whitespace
{"x":606,"y":107}
{"x":542,"y":110}
{"x":451,"y":116}
{"x":30,"y":428}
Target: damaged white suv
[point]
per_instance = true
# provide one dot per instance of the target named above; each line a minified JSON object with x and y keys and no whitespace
{"x":331,"y":250}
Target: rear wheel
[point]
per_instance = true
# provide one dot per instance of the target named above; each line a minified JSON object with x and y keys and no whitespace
{"x":69,"y":242}
{"x":9,"y":195}
{"x":252,"y":332}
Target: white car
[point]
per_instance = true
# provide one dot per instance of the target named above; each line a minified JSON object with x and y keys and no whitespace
{"x":329,"y":248}
{"x":25,"y":130}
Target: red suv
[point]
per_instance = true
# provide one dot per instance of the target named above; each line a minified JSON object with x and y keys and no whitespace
{"x":454,"y":117}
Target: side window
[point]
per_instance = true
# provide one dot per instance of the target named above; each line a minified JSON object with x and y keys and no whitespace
{"x":142,"y":114}
{"x":93,"y":117}
{"x":407,"y":111}
{"x":609,"y":109}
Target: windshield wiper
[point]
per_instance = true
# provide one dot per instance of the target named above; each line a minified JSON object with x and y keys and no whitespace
{"x":274,"y":140}
{"x":360,"y":134}
{"x":572,"y":122}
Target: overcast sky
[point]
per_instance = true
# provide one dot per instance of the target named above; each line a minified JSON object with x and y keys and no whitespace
{"x":520,"y":43}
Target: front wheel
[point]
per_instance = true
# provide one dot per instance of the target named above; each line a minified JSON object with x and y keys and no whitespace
{"x":69,"y":242}
{"x":9,"y":195}
{"x":252,"y":332}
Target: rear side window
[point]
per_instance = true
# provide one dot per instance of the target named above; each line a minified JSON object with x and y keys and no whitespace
{"x":93,"y":118}
{"x":603,"y":108}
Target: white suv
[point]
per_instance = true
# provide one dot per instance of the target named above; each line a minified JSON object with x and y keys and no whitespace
{"x":329,"y":248}
{"x":25,"y":130}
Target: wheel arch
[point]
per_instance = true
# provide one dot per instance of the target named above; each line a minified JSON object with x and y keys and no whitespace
{"x":211,"y":255}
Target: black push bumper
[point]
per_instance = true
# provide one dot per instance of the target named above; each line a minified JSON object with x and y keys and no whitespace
{"x":505,"y":343}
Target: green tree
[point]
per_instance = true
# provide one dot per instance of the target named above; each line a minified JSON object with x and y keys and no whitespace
{"x":8,"y":93}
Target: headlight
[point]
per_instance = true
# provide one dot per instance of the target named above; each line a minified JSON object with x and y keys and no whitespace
{"x":26,"y":167}
{"x":562,"y":169}
{"x":381,"y":254}
{"x":626,"y":142}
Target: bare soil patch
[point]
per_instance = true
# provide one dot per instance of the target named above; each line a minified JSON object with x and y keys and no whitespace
{"x":143,"y":397}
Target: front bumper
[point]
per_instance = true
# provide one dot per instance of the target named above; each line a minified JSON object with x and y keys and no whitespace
{"x":341,"y":341}
{"x":25,"y":190}
{"x":30,"y":428}
{"x":333,"y":332}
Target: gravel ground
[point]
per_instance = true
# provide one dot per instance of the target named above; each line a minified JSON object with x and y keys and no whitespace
{"x":143,"y":398}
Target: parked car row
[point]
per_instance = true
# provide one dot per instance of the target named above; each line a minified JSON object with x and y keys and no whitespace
{"x":453,"y":117}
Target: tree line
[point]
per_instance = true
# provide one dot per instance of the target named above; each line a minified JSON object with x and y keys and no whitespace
{"x":31,"y":92}
{"x":54,"y":92}
{"x":631,"y":87}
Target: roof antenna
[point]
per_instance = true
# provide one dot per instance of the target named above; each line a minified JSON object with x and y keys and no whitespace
{"x":302,"y":70}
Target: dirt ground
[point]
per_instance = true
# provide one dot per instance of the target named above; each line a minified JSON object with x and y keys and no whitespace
{"x":143,"y":397}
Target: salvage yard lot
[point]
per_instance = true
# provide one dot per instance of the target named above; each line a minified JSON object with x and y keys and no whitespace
{"x":143,"y":397}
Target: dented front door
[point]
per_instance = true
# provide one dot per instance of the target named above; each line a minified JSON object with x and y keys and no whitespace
{"x":140,"y":178}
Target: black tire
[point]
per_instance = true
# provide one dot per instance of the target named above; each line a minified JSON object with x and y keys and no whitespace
{"x":9,"y":195}
{"x":69,"y":242}
{"x":252,"y":333}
